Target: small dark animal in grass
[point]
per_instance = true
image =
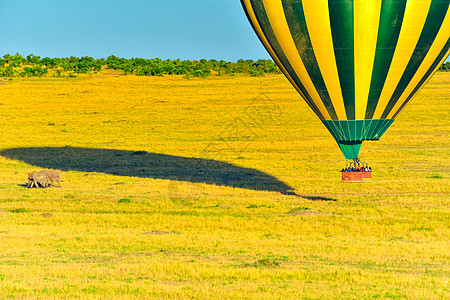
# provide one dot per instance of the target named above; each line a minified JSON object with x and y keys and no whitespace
{"x":37,"y":180}
{"x":52,"y":176}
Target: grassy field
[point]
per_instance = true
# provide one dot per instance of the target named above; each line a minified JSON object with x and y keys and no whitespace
{"x":226,"y":187}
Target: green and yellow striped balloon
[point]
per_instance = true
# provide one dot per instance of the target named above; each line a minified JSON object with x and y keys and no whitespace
{"x":357,"y":63}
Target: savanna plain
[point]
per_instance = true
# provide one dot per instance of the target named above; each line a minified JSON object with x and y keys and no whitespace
{"x":223,"y":187}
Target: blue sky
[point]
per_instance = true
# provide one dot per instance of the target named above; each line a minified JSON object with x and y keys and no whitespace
{"x":168,"y":29}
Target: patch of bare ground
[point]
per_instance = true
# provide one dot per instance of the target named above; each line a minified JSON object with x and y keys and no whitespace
{"x":114,"y":73}
{"x":307,"y":213}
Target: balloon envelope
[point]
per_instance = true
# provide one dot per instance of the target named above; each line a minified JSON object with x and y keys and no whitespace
{"x":357,"y":63}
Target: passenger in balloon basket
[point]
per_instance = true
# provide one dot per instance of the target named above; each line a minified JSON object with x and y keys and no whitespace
{"x":357,"y":169}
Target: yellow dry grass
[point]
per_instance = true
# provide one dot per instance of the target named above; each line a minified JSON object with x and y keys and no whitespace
{"x":176,"y":188}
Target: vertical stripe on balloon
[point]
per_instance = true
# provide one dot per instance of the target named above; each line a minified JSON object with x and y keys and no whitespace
{"x":297,"y":25}
{"x":277,"y":19}
{"x":342,"y":29}
{"x":248,"y":9}
{"x":366,"y":21}
{"x":318,"y":23}
{"x":415,"y":15}
{"x":437,"y":50}
{"x":263,"y":20}
{"x":435,"y":18}
{"x":391,"y":19}
{"x":437,"y":63}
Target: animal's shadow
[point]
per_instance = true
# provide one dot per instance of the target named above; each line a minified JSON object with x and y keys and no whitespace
{"x":148,"y":165}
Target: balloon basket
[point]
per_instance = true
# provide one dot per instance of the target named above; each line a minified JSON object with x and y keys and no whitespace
{"x":356,"y":171}
{"x":356,"y":176}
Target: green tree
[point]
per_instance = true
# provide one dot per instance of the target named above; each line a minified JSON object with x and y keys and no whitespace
{"x":445,"y":67}
{"x":33,"y":59}
{"x":10,"y":72}
{"x":48,"y":62}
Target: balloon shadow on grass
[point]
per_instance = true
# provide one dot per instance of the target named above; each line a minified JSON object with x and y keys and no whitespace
{"x":148,"y":165}
{"x":152,"y":165}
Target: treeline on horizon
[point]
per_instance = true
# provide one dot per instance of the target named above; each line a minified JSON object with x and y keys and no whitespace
{"x":35,"y":66}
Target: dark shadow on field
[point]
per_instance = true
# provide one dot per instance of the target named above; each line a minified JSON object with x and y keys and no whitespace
{"x":149,"y":165}
{"x":317,"y":198}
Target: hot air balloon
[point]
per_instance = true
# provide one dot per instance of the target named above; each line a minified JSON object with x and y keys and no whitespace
{"x":357,"y":63}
